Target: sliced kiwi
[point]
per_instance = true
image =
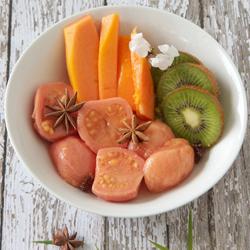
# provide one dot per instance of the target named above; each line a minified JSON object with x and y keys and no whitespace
{"x":186,"y":74}
{"x":194,"y":114}
{"x":156,"y":75}
{"x":182,"y":58}
{"x":185,"y":57}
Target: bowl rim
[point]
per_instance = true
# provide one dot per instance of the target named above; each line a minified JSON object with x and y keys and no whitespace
{"x":142,"y":213}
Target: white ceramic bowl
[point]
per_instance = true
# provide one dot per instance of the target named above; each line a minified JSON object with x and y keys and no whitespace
{"x":44,"y":61}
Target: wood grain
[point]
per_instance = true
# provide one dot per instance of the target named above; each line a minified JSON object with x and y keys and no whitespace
{"x":229,"y":23}
{"x":171,"y":228}
{"x":4,"y":69}
{"x":221,"y":217}
{"x":135,"y":233}
{"x":30,"y":212}
{"x":177,"y":219}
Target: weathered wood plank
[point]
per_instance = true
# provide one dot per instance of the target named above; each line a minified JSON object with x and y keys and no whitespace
{"x":224,"y":212}
{"x":167,"y":228}
{"x":30,"y":212}
{"x":177,"y":219}
{"x":135,"y":233}
{"x":229,"y":23}
{"x":4,"y":55}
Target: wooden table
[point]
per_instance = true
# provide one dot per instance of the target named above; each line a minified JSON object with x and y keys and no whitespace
{"x":28,"y":212}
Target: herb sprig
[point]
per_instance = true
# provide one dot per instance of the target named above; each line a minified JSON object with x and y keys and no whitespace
{"x":189,"y":236}
{"x":62,"y":239}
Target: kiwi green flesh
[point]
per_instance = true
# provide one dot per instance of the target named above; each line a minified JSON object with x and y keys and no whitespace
{"x":156,"y":75}
{"x":182,"y":58}
{"x":193,"y":115}
{"x":183,"y":74}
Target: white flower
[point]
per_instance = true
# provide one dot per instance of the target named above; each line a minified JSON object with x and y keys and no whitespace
{"x":169,"y":50}
{"x":161,"y":61}
{"x":139,"y":45}
{"x":163,"y":48}
{"x":164,"y":59}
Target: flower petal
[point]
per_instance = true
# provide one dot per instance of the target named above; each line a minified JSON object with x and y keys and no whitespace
{"x":154,"y":61}
{"x":163,"y":48}
{"x":172,"y":51}
{"x":139,"y":45}
{"x":137,"y":36}
{"x":142,"y":52}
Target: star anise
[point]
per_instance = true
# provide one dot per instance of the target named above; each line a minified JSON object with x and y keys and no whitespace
{"x":134,"y":131}
{"x":64,"y":110}
{"x":62,"y":239}
{"x":65,"y":241}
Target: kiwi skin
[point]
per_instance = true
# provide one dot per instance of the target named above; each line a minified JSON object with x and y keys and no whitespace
{"x":215,"y":100}
{"x":185,"y":57}
{"x":161,"y":91}
{"x":211,"y":78}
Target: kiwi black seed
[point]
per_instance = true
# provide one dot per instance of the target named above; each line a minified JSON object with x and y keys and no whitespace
{"x":186,"y":74}
{"x":194,"y":114}
{"x":184,"y":57}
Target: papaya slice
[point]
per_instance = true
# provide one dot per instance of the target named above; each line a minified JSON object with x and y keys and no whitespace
{"x":125,"y":79}
{"x":82,"y":42}
{"x":144,"y":90}
{"x":108,"y":51}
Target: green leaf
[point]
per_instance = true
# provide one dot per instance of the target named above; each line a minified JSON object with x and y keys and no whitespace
{"x":96,"y":247}
{"x":190,"y":232}
{"x":158,"y":246}
{"x":46,"y":242}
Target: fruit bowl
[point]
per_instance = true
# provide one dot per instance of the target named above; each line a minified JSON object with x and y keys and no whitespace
{"x":44,"y":61}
